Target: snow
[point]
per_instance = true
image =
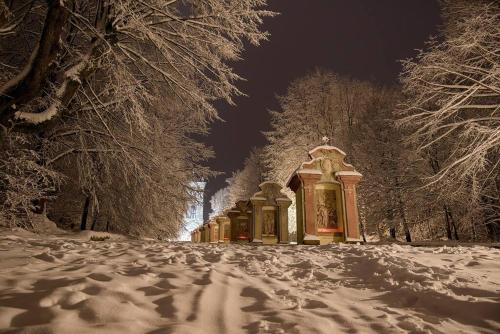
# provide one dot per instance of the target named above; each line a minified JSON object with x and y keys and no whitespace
{"x":47,"y":114}
{"x":68,"y":284}
{"x":16,"y":80}
{"x":347,"y":173}
{"x":326,"y":147}
{"x":72,"y":74}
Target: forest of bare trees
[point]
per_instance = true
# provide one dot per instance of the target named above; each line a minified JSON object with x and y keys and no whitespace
{"x":102,"y":104}
{"x":100,"y":101}
{"x":428,"y":149}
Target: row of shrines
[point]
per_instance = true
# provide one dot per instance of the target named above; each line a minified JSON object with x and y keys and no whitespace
{"x":326,"y":204}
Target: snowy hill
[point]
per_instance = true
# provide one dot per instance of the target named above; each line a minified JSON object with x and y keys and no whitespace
{"x":68,"y":284}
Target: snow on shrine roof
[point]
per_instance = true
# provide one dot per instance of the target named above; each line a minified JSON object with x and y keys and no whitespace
{"x":348,"y":173}
{"x":307,"y":170}
{"x":326,"y":147}
{"x":257,"y":198}
{"x":301,"y":170}
{"x":266,"y":182}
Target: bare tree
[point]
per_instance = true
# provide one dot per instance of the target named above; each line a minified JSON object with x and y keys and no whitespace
{"x":358,"y":117}
{"x":453,"y":107}
{"x":182,"y":45}
{"x":116,"y":89}
{"x":245,"y":182}
{"x":24,"y":183}
{"x":220,"y":201}
{"x":241,"y":185}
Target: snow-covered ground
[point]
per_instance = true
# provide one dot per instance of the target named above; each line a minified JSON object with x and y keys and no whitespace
{"x":68,"y":284}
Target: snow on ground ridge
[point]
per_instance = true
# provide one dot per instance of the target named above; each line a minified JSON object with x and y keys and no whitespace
{"x":64,"y":284}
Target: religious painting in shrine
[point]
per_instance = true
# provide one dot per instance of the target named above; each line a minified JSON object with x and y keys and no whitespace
{"x":244,"y":230}
{"x":227,"y":231}
{"x":326,"y":210}
{"x":268,"y":221}
{"x":216,"y":232}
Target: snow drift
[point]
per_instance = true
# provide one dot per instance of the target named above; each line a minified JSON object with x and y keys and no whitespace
{"x":69,"y":284}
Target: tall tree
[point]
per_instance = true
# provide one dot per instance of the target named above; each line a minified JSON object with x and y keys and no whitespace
{"x":453,"y":111}
{"x":242,"y":184}
{"x":116,"y":89}
{"x":357,"y":116}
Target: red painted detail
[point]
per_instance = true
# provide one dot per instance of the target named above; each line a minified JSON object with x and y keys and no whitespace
{"x":327,"y":229}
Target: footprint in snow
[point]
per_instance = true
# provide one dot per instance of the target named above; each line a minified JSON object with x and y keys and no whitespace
{"x":100,"y":277}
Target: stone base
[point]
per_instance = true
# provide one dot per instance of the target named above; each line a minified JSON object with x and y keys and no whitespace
{"x":269,"y":239}
{"x":353,"y":240}
{"x":311,"y":240}
{"x":330,"y":237}
{"x":256,"y":242}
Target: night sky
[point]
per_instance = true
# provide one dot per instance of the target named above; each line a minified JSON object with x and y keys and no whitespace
{"x":363,"y":39}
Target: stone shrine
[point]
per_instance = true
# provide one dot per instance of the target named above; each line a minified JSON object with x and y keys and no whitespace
{"x":270,"y":214}
{"x":197,"y":235}
{"x":241,"y":221}
{"x":204,"y":233}
{"x":224,"y":228}
{"x":213,"y":233}
{"x":325,"y":189}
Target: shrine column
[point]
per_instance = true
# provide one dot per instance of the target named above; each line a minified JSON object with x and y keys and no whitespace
{"x":233,"y":232}
{"x":222,"y":221}
{"x":283,"y":205}
{"x":227,"y":230}
{"x":310,"y":229}
{"x":207,"y":233}
{"x":212,"y":226}
{"x":221,"y":229}
{"x":349,"y":181}
{"x":204,"y":233}
{"x":257,"y":203}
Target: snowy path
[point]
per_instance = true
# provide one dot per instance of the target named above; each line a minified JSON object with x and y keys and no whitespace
{"x":59,"y":285}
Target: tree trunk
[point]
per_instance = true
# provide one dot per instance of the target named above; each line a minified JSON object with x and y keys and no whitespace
{"x":407,"y":231}
{"x":402,"y":212}
{"x":29,"y":83}
{"x":85,"y":213}
{"x":473,"y":229}
{"x":390,"y":214}
{"x":94,"y":222}
{"x":455,"y":232}
{"x":392,"y":232}
{"x":447,"y":222}
{"x":362,"y":228}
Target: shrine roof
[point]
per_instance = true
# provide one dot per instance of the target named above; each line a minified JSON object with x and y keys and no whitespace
{"x":345,"y":172}
{"x":325,"y":147}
